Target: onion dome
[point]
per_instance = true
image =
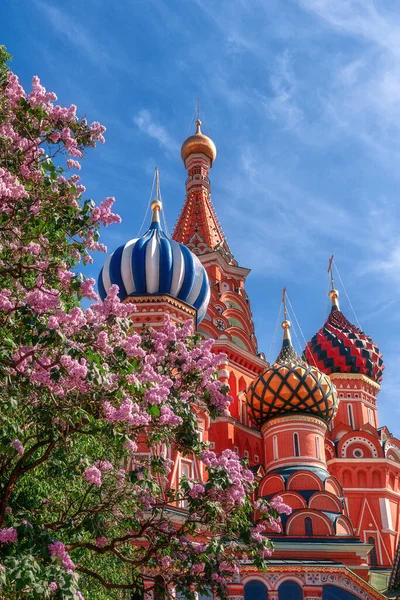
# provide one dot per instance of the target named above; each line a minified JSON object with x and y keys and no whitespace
{"x":291,"y":386}
{"x":156,"y":264}
{"x":198,"y":144}
{"x":340,"y":347}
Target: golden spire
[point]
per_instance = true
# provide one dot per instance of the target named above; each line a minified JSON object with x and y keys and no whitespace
{"x":285,"y":322}
{"x":333,"y":293}
{"x":156,"y":205}
{"x":198,"y":143}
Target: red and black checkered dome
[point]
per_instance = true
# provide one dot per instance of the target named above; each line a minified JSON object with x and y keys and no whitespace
{"x":291,"y":386}
{"x":340,"y":347}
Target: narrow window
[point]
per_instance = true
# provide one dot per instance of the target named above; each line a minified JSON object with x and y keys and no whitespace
{"x":296,"y":444}
{"x":369,"y":416}
{"x":350,"y":413}
{"x":373,"y":557}
{"x":275,"y":446}
{"x":308,"y":525}
{"x":244,"y":413}
{"x":317,"y":448}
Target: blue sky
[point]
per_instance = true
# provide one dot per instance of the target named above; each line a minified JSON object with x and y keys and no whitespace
{"x":302,"y":98}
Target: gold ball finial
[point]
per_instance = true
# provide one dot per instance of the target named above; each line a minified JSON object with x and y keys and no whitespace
{"x":334,"y":296}
{"x":285,"y":324}
{"x":156,"y":205}
{"x":199,"y":144}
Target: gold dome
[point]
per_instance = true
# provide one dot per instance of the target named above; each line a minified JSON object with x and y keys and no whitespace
{"x":198,"y":144}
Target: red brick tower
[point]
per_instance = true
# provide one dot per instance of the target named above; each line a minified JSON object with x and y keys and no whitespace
{"x":228,"y":318}
{"x":363,"y":456}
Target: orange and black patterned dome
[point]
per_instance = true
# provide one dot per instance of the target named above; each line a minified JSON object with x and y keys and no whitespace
{"x":340,"y":347}
{"x":291,"y":386}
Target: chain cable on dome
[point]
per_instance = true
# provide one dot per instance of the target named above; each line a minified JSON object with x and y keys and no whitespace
{"x":300,"y":329}
{"x":155,"y":178}
{"x":195,"y":116}
{"x":347,"y":296}
{"x":166,"y":230}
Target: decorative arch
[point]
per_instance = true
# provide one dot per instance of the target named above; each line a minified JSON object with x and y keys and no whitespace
{"x":288,"y":577}
{"x":376,"y":479}
{"x":363,"y":440}
{"x":392,"y":450}
{"x":271,"y":484}
{"x":293,"y":499}
{"x":333,"y":486}
{"x":325,"y":501}
{"x":331,"y":592}
{"x":304,"y":480}
{"x":290,"y":590}
{"x":329,"y":450}
{"x":255,"y":590}
{"x":321,"y":524}
{"x":343,"y":526}
{"x":347,"y":478}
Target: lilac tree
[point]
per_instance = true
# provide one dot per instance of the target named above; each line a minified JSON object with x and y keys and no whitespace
{"x":80,"y":511}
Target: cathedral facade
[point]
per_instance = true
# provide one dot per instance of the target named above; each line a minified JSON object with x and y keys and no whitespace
{"x":307,"y":425}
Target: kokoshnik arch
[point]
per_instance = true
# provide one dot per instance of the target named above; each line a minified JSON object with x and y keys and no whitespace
{"x":307,"y":425}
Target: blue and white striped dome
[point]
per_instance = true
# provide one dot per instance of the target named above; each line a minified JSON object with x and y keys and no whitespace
{"x":156,"y":264}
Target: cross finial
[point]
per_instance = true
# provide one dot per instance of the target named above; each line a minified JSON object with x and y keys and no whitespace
{"x":284,"y":303}
{"x":157,"y":184}
{"x":198,"y":109}
{"x":330,"y":271}
{"x":156,"y":205}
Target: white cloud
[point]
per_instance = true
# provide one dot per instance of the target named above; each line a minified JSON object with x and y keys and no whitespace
{"x":146,"y":123}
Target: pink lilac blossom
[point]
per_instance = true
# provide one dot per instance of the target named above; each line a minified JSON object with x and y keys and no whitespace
{"x":278,"y":504}
{"x":87,"y":290}
{"x":197,"y":490}
{"x":5,"y":303}
{"x":42,"y":301}
{"x":17,"y":445}
{"x":53,"y":586}
{"x":92,"y":475}
{"x":165,"y":561}
{"x":73,"y":164}
{"x":104,"y":465}
{"x":101,"y":542}
{"x":102,"y":213}
{"x":58,"y":549}
{"x":131,"y":446}
{"x":168,"y":417}
{"x":275,"y":524}
{"x":8,"y":535}
{"x":198,"y":568}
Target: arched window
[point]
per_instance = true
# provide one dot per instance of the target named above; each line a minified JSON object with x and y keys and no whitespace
{"x":317,"y":448}
{"x":255,"y":590}
{"x":308,"y":525}
{"x":351,"y":416}
{"x":290,"y":590}
{"x":296,"y":444}
{"x":373,"y":557}
{"x":331,"y":592}
{"x":275,"y":446}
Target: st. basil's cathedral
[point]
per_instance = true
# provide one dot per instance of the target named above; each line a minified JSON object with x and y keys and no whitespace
{"x":308,"y":425}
